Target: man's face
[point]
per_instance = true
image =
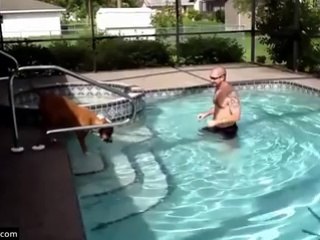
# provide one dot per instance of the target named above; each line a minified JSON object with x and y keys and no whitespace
{"x":216,"y":78}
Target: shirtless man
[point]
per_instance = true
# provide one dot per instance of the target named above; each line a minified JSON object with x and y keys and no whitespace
{"x":226,"y":111}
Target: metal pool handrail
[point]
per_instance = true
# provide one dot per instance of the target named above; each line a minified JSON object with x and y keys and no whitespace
{"x":11,"y":58}
{"x":16,"y":147}
{"x":89,"y":127}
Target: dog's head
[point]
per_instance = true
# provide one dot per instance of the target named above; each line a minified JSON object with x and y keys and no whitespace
{"x":106,"y":132}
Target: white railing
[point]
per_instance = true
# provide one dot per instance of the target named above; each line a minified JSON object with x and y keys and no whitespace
{"x":16,"y":147}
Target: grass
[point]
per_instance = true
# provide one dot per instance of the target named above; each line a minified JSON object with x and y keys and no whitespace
{"x":189,"y":22}
{"x":260,"y":49}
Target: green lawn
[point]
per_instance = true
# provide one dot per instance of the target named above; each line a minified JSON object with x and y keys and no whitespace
{"x":260,"y":49}
{"x":204,"y":22}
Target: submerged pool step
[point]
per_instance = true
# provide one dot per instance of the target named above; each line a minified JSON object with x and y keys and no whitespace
{"x":117,"y":171}
{"x":100,"y":212}
{"x":116,"y":176}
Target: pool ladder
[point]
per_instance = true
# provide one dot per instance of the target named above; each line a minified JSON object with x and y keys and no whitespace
{"x":16,"y":146}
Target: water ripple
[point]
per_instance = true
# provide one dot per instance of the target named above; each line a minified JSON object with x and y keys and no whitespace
{"x":254,"y":187}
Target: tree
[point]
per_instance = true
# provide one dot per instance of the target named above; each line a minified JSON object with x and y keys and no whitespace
{"x":276,"y":24}
{"x":165,"y":18}
{"x":243,"y":6}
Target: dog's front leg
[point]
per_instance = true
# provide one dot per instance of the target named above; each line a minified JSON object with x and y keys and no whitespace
{"x":42,"y":138}
{"x":82,"y":137}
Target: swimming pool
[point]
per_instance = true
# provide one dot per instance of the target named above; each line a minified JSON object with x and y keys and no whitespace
{"x":166,"y":181}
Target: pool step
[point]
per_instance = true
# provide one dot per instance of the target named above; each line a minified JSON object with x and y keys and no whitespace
{"x":81,"y":163}
{"x":117,"y":171}
{"x":103,"y":183}
{"x":107,"y":170}
{"x":101,"y":211}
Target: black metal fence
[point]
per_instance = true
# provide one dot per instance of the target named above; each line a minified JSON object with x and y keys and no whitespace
{"x":180,"y":31}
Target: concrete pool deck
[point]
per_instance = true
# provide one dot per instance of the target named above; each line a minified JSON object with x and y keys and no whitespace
{"x":37,"y":190}
{"x":165,"y":78}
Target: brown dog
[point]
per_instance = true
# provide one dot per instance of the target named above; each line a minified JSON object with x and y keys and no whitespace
{"x":61,"y":112}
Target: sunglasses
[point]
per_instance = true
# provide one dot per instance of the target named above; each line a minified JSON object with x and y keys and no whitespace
{"x":215,"y":78}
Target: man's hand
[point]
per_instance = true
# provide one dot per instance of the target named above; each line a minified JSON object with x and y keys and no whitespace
{"x":211,"y":123}
{"x":202,"y":116}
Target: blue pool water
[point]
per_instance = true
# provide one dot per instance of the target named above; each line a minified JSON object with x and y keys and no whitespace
{"x":174,"y":183}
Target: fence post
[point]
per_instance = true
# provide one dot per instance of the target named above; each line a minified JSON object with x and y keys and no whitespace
{"x":296,"y":30}
{"x":93,"y":38}
{"x":253,"y":30}
{"x":1,"y":36}
{"x":177,"y":8}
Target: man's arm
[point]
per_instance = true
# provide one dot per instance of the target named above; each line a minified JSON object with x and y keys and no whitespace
{"x":209,"y":112}
{"x":232,"y":101}
{"x":206,"y":114}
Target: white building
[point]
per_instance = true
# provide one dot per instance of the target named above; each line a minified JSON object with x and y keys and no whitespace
{"x":125,"y":22}
{"x":235,"y":20}
{"x":30,"y":18}
{"x":158,"y":4}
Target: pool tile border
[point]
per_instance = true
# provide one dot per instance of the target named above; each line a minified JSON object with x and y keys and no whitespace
{"x":116,"y":110}
{"x":158,"y":94}
{"x":120,"y":108}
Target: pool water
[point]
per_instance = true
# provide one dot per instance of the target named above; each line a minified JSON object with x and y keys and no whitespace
{"x":191,"y":186}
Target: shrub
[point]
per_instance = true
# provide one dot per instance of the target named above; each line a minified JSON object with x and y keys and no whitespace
{"x":125,"y":54}
{"x":261,"y":59}
{"x":220,"y":16}
{"x":194,"y":15}
{"x":210,"y":16}
{"x":164,"y":18}
{"x":76,"y":57}
{"x":199,"y":50}
{"x":117,"y":53}
{"x":5,"y":65}
{"x":30,"y":54}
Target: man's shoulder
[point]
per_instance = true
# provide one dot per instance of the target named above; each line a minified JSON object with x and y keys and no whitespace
{"x":228,"y":89}
{"x":231,"y":86}
{"x":233,"y":95}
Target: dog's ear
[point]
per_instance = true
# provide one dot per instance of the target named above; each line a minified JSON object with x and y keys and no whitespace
{"x":102,"y":119}
{"x":105,"y":121}
{"x":98,"y":120}
{"x":100,"y":116}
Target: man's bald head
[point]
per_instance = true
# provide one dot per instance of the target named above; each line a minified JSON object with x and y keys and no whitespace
{"x":218,"y":75}
{"x":218,"y":71}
